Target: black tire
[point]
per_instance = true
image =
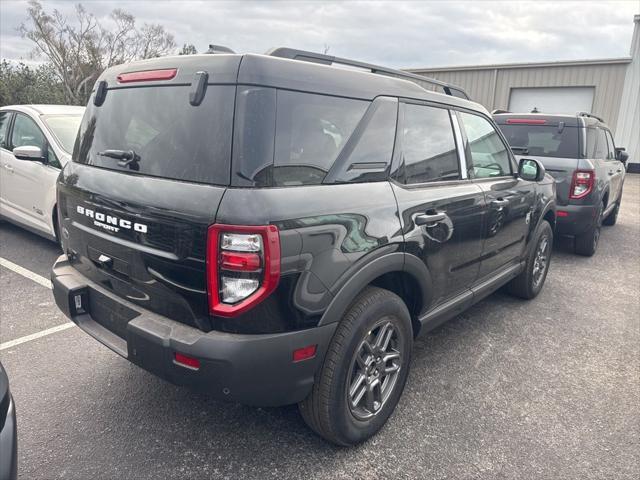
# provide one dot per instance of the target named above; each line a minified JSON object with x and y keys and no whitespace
{"x":587,"y":243}
{"x":327,"y":410}
{"x":612,"y":218}
{"x":528,"y":284}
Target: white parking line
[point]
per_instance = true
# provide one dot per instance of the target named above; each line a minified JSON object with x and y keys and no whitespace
{"x":45,"y":283}
{"x":34,"y":336}
{"x":25,"y":273}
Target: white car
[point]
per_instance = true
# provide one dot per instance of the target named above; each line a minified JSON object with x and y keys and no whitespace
{"x":36,"y":141}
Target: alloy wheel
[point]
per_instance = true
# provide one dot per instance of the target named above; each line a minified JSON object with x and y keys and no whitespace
{"x":374,"y":371}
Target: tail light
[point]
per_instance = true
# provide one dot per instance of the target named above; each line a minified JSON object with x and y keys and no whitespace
{"x":582,"y":183}
{"x":243,"y":267}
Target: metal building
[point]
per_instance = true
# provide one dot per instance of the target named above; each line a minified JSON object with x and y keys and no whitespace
{"x":608,"y":88}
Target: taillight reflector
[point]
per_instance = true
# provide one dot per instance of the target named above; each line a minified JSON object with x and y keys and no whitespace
{"x":241,"y":262}
{"x":147,"y":75}
{"x":582,"y":183}
{"x":526,"y":121}
{"x":304,"y":353}
{"x":259,"y":270}
{"x":186,"y":361}
{"x":562,"y":213}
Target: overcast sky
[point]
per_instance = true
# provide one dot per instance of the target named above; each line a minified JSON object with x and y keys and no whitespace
{"x":398,"y":34}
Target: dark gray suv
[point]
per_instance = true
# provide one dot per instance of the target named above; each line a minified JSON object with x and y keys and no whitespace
{"x":578,"y":150}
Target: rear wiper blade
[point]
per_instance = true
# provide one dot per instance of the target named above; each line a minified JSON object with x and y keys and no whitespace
{"x":126,"y":158}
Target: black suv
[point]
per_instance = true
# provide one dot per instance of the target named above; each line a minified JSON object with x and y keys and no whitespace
{"x":578,"y":150}
{"x":272,"y":229}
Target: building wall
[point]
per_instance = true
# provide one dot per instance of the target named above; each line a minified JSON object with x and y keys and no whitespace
{"x":628,"y":125}
{"x":491,"y":85}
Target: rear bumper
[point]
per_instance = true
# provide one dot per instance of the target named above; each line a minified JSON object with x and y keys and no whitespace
{"x":9,"y":445}
{"x":577,"y":219}
{"x":251,"y":369}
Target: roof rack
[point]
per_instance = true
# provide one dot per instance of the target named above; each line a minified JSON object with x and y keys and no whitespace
{"x":293,"y":54}
{"x":590,"y":115}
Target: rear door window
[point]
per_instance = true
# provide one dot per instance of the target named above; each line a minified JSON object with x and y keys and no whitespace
{"x":428,"y":146}
{"x":489,"y":156}
{"x":172,"y":138}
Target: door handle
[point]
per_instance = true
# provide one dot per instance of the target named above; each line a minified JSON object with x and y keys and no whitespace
{"x":500,"y":203}
{"x":8,"y":167}
{"x":427,"y":218}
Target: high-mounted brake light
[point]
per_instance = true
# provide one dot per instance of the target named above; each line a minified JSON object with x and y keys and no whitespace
{"x":243,"y":267}
{"x":526,"y":121}
{"x":147,"y":75}
{"x":582,"y":183}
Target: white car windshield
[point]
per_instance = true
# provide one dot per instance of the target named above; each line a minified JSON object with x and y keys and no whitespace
{"x":64,"y":128}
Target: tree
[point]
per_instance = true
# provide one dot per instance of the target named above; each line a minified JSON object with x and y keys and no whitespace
{"x":20,"y":84}
{"x":188,"y":49}
{"x":79,"y":51}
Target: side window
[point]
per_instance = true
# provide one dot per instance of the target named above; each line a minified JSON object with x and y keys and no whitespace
{"x":4,"y":124}
{"x":596,"y":144}
{"x":311,"y":130}
{"x":610,"y":146}
{"x":367,"y":156}
{"x":26,"y":132}
{"x":489,"y":156}
{"x":52,"y":158}
{"x":428,"y":146}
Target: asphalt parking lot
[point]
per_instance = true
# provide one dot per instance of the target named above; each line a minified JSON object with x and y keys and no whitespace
{"x":510,"y":389}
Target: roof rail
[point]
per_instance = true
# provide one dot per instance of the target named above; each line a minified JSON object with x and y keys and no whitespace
{"x":293,"y":54}
{"x":498,"y":111}
{"x":585,"y":114}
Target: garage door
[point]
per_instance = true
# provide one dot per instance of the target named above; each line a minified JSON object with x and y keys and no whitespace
{"x":551,"y":99}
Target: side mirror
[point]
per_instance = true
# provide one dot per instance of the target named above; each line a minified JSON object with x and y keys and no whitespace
{"x":28,"y":152}
{"x":531,"y":170}
{"x":622,"y":155}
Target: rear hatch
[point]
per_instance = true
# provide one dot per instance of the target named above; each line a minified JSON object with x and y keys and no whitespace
{"x":553,"y":142}
{"x":149,"y":169}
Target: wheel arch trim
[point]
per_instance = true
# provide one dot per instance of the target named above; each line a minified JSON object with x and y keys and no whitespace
{"x":389,"y":263}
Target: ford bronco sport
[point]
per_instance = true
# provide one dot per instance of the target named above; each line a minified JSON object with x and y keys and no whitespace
{"x":578,"y":151}
{"x":272,"y":229}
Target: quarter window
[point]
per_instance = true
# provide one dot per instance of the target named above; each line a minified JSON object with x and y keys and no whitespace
{"x":488,"y":155}
{"x":596,"y":144}
{"x":428,"y":145}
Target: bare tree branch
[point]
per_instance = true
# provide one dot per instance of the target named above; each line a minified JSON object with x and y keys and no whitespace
{"x":81,"y":48}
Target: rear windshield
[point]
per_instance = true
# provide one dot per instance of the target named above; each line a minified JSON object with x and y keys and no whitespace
{"x":542,"y":140}
{"x":169,"y":137}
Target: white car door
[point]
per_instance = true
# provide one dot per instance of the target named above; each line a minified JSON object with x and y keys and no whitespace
{"x":30,"y":187}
